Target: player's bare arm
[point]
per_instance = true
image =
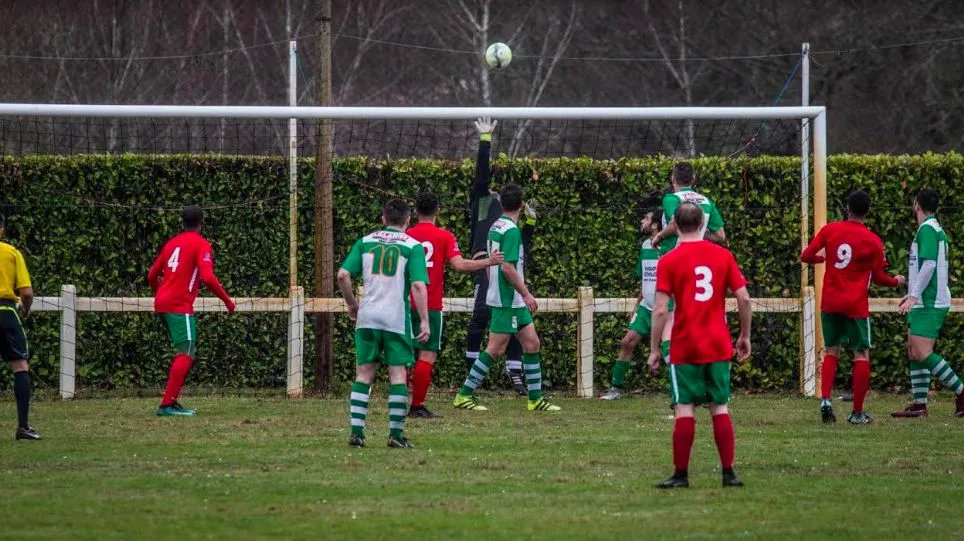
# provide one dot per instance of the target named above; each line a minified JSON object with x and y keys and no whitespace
{"x":468,"y":266}
{"x":745,"y":308}
{"x":718,"y":236}
{"x":26,"y":301}
{"x":344,"y":284}
{"x":513,"y":277}
{"x":660,"y":317}
{"x":420,"y":294}
{"x":670,"y":229}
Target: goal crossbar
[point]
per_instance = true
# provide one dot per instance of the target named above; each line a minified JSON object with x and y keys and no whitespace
{"x":410,"y":113}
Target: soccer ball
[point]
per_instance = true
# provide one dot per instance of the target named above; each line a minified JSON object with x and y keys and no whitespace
{"x":498,"y":55}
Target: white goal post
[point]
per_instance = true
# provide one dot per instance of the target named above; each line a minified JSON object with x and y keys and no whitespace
{"x":583,"y":303}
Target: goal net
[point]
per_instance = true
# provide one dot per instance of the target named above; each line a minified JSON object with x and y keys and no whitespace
{"x":92,"y":192}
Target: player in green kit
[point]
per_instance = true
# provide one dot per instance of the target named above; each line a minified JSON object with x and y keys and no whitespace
{"x":641,"y":321}
{"x":683,"y":179}
{"x":392,"y":265}
{"x":512,"y":308}
{"x":926,"y":305}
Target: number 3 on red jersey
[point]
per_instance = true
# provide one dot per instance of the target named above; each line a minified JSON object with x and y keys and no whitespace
{"x":704,"y":285}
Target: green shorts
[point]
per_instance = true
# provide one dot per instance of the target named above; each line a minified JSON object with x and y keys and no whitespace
{"x":373,"y":345}
{"x":509,"y":320}
{"x":182,"y":330}
{"x":435,"y":331}
{"x":642,"y":321}
{"x":841,"y":330}
{"x":926,"y":322}
{"x":700,"y":383}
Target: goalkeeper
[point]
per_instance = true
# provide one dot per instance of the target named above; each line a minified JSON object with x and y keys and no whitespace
{"x":485,"y":210}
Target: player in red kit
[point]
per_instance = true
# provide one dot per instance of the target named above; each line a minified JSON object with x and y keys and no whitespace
{"x":696,"y":275}
{"x":854,"y":257}
{"x":440,"y":248}
{"x":185,"y":262}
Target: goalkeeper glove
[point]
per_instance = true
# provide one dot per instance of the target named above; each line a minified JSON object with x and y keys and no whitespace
{"x":485,"y":127}
{"x":530,"y":210}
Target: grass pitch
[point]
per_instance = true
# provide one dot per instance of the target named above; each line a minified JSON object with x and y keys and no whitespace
{"x":261,"y":468}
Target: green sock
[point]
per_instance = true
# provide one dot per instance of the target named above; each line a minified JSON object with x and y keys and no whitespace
{"x":397,"y":409}
{"x":533,"y":369}
{"x":619,"y":373}
{"x":920,"y":382}
{"x":944,"y":372}
{"x":480,"y":369}
{"x":358,"y":404}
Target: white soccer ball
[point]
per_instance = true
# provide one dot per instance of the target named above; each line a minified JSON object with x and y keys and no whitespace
{"x":498,"y":56}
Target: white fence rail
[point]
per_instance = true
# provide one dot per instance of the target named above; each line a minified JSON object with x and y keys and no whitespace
{"x":584,"y":306}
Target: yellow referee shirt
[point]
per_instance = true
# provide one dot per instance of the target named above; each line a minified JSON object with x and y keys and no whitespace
{"x":13,"y":272}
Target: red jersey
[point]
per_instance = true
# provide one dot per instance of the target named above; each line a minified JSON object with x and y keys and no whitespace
{"x":697,"y":275}
{"x":176,"y":275}
{"x":855,"y":257}
{"x":440,"y":247}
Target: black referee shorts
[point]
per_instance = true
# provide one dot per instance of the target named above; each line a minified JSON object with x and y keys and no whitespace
{"x":13,"y":341}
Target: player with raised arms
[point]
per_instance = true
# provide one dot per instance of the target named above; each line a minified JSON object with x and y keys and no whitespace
{"x":485,"y":210}
{"x":512,"y":307}
{"x":174,"y":280}
{"x":696,"y":276}
{"x":440,"y":248}
{"x":855,"y":258}
{"x":391,"y":265}
{"x":926,"y":306}
{"x":642,"y":319}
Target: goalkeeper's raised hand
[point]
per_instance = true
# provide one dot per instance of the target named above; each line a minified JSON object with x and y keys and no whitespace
{"x":485,"y":126}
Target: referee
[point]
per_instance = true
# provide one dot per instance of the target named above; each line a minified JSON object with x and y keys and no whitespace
{"x":15,"y":290}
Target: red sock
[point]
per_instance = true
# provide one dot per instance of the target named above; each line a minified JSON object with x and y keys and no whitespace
{"x":723,"y":434}
{"x":684,"y":431}
{"x":175,"y":380}
{"x":828,"y":371}
{"x":861,"y":376}
{"x":420,"y":382}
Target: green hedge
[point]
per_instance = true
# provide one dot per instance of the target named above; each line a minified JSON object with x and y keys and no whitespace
{"x":93,"y":221}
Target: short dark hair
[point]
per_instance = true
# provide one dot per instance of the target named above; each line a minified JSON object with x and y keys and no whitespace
{"x":426,"y":204}
{"x":858,"y":204}
{"x":683,"y":174}
{"x":688,"y":217}
{"x":928,"y":199}
{"x":193,"y":216}
{"x":657,"y":217}
{"x":396,"y":212}
{"x":511,"y":197}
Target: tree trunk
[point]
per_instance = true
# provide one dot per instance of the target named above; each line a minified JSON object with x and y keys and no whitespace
{"x":323,"y":212}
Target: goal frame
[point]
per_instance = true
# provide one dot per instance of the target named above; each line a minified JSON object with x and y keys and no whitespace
{"x":811,"y":333}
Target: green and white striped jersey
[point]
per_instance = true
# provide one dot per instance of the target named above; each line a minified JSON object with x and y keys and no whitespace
{"x":505,"y":237}
{"x":646,"y":270}
{"x":712,"y":220}
{"x":930,"y":243}
{"x":388,"y":261}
